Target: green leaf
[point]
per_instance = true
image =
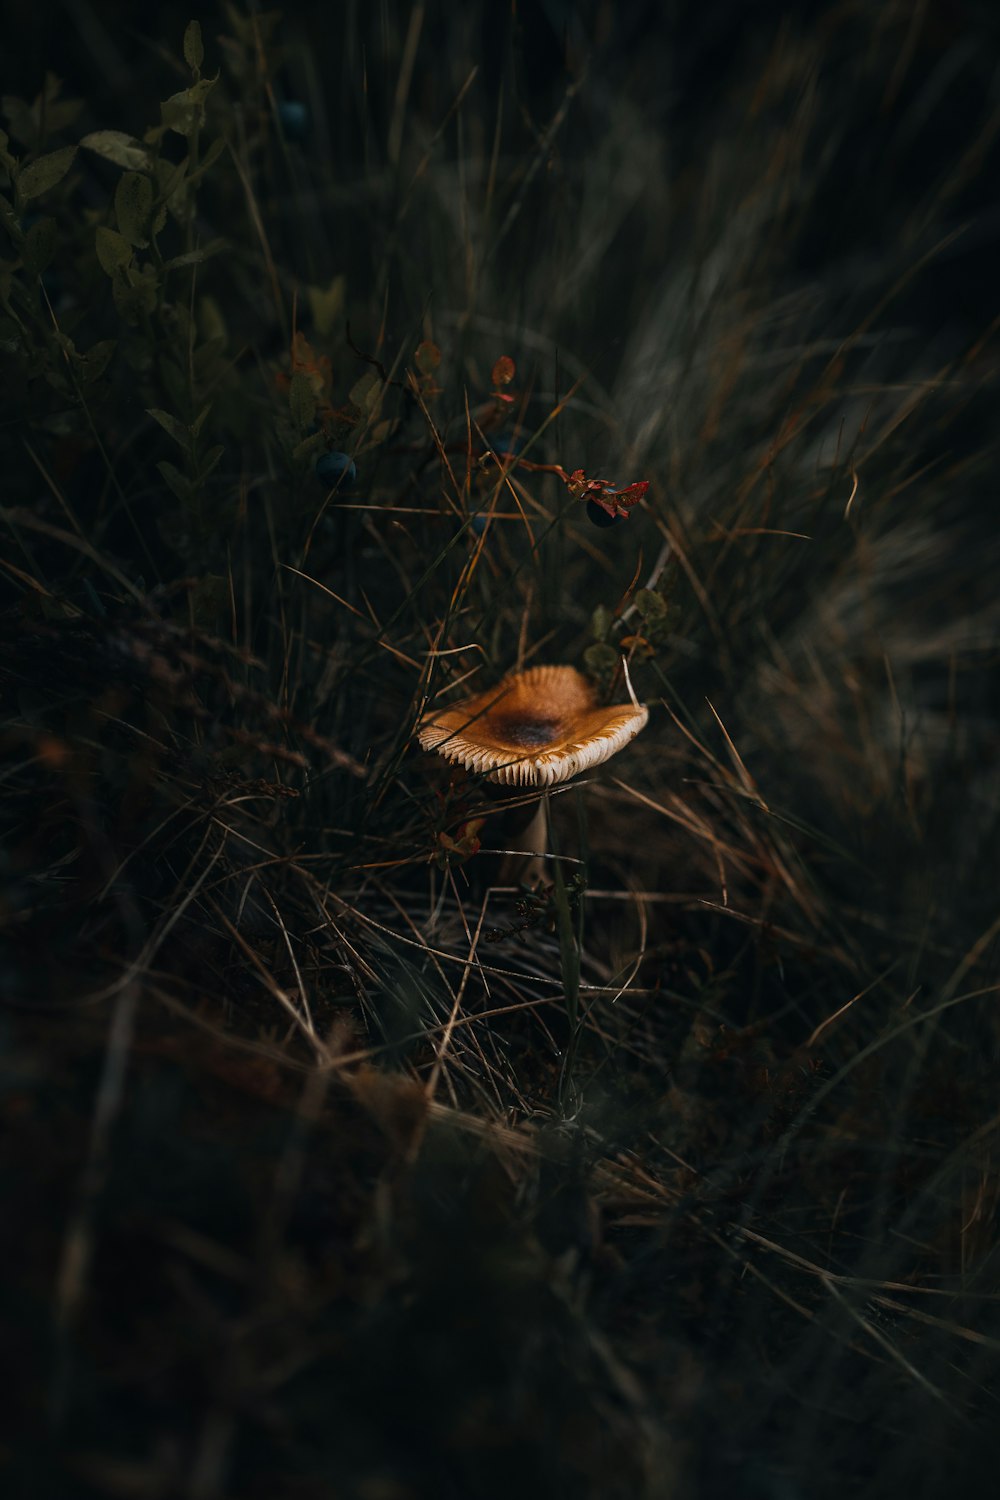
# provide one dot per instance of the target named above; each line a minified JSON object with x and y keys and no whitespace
{"x":651,"y":606}
{"x":600,"y":622}
{"x":185,"y":112}
{"x":365,"y":392}
{"x":113,"y":250}
{"x":601,"y":660}
{"x":211,"y":322}
{"x":96,"y":360}
{"x":210,"y":157}
{"x":173,"y":376}
{"x":195,"y":257}
{"x":125,"y":297}
{"x":309,"y":446}
{"x":173,"y":477}
{"x":194,"y":52}
{"x":199,"y":420}
{"x":115,"y":146}
{"x":210,"y":460}
{"x":171,"y":425}
{"x":7,"y":161}
{"x":326,"y":305}
{"x":171,"y":182}
{"x":143,"y":287}
{"x":11,"y":223}
{"x":38,"y":247}
{"x":44,"y":173}
{"x":133,"y":206}
{"x":46,"y":115}
{"x":301,"y":400}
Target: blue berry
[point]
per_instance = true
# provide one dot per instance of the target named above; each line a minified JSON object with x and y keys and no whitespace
{"x":336,"y":468}
{"x":598,"y":516}
{"x":478,"y":523}
{"x":507,"y":443}
{"x":294,"y":118}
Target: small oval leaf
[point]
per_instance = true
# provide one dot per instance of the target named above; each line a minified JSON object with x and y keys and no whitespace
{"x":175,"y":479}
{"x":114,"y":145}
{"x":113,"y":251}
{"x":133,"y":206}
{"x":39,"y":245}
{"x":170,"y":424}
{"x":194,"y":51}
{"x":44,"y":173}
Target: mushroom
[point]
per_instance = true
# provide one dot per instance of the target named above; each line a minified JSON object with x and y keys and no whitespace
{"x":534,"y":729}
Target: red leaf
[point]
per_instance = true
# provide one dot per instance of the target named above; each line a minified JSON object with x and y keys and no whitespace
{"x":503,"y":370}
{"x":632,"y":495}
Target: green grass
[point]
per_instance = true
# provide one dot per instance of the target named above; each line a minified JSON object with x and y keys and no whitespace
{"x":331,"y":1166}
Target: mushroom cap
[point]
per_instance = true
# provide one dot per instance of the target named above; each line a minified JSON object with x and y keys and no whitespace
{"x":535,"y":728}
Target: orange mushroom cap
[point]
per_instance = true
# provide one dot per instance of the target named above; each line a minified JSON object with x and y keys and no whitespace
{"x":535,"y":728}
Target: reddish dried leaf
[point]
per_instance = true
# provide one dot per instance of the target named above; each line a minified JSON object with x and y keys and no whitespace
{"x":316,"y":366}
{"x":303,"y":356}
{"x":637,"y":643}
{"x":632,"y":495}
{"x":503,"y":370}
{"x":458,"y":849}
{"x":427,"y":357}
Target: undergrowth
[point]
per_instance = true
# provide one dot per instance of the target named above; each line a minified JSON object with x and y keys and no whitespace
{"x":333,"y":1166}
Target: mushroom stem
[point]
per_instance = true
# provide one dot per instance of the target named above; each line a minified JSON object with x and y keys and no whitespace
{"x":523,"y":862}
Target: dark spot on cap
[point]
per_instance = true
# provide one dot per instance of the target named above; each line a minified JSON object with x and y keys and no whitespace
{"x":527,"y":733}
